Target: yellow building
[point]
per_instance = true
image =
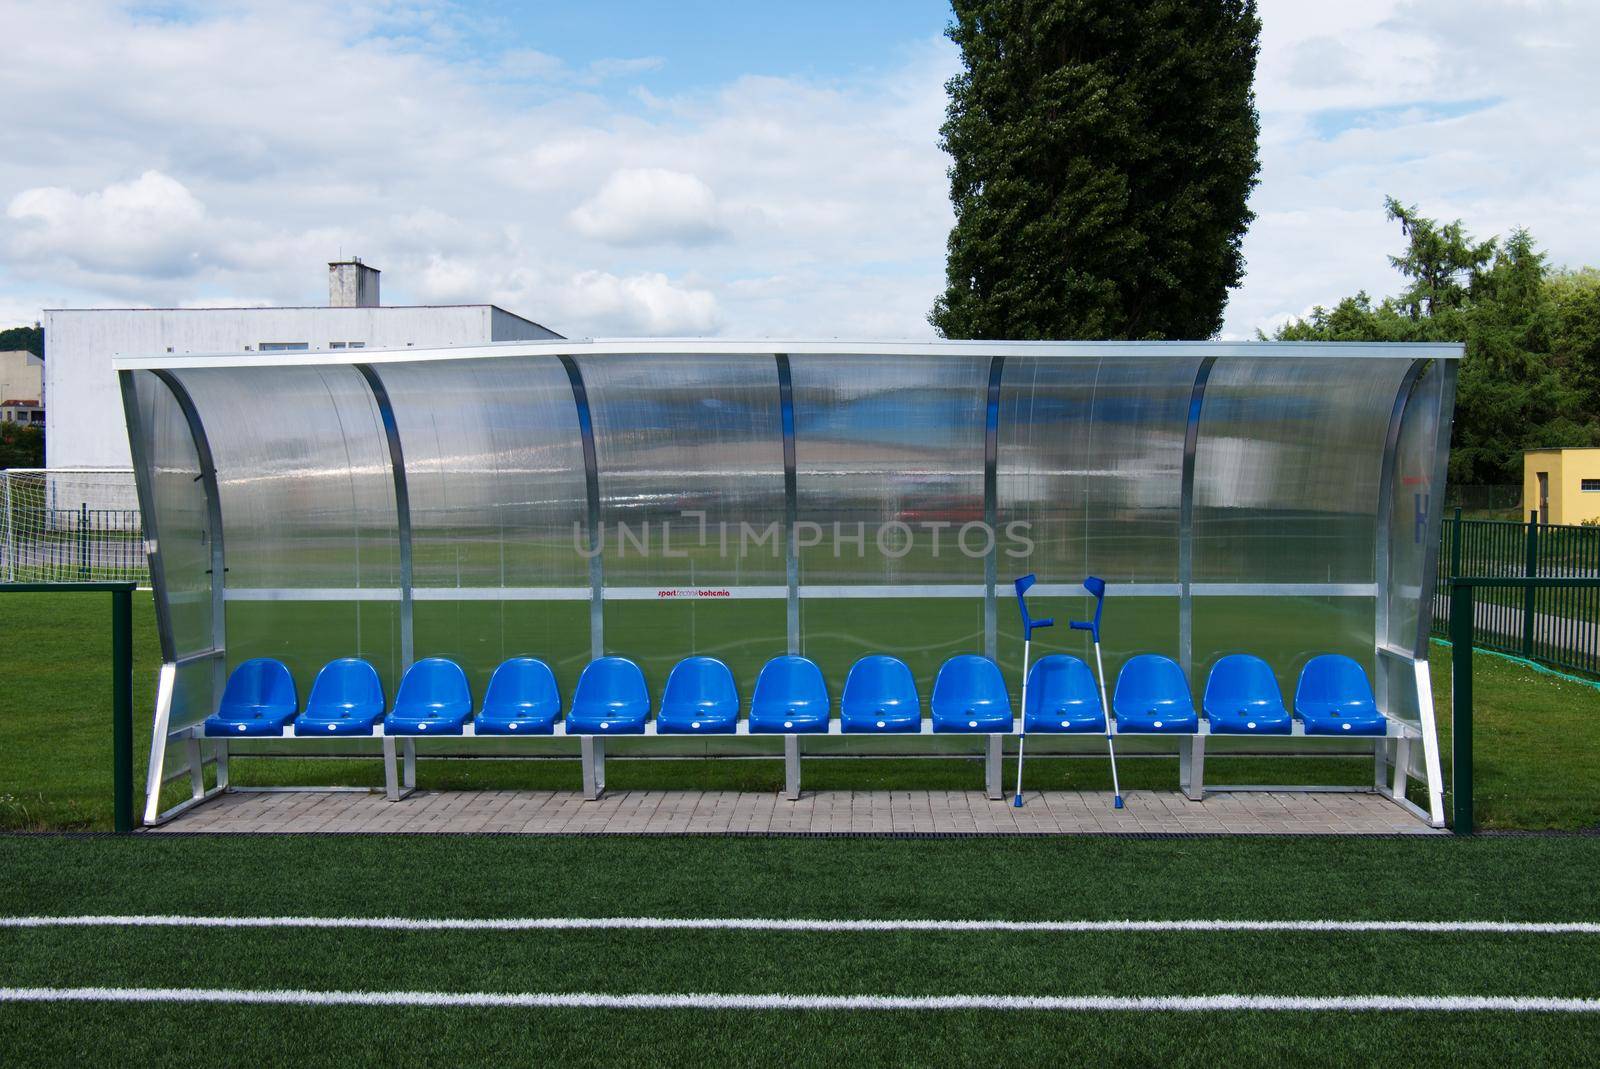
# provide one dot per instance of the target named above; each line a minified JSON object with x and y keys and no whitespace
{"x":1563,"y":485}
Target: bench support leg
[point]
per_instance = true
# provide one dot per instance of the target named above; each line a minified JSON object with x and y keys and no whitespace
{"x":593,"y":753}
{"x":222,"y":764}
{"x":1402,"y":765}
{"x":197,"y":768}
{"x":1192,"y":767}
{"x":994,"y":749}
{"x":1380,"y":764}
{"x":791,"y":767}
{"x":398,"y":784}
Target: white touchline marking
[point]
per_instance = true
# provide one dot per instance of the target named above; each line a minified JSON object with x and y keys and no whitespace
{"x":782,"y":924}
{"x":592,"y":1000}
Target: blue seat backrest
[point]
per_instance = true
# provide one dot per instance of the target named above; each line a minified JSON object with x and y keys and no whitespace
{"x":790,"y":681}
{"x":696,"y":680}
{"x":611,"y":679}
{"x":878,"y":680}
{"x":434,"y":683}
{"x":348,"y":683}
{"x":523,"y":682}
{"x":1333,"y":680}
{"x":1059,"y":679}
{"x":260,"y":683}
{"x":1242,"y":679}
{"x":1150,"y":680}
{"x":967,"y":681}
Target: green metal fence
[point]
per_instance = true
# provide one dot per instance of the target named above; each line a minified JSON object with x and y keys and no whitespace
{"x":1554,"y":624}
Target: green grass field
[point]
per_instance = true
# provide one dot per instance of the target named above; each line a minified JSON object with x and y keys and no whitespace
{"x":1537,"y":735}
{"x":1498,"y":879}
{"x":1536,"y":768}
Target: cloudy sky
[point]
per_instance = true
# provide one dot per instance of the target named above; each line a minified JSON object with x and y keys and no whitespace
{"x":700,"y":168}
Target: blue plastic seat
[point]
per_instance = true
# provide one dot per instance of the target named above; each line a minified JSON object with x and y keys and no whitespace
{"x":522,"y":699}
{"x":880,"y":697}
{"x":1242,"y":698}
{"x":791,"y":698}
{"x":346,"y":699}
{"x":969,"y":695}
{"x":611,"y":699}
{"x":433,"y":700}
{"x":700,"y":699}
{"x":258,"y":700}
{"x":1063,"y":697}
{"x":1153,"y":697}
{"x":1334,"y":698}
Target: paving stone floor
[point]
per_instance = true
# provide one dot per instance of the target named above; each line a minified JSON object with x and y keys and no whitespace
{"x":714,"y":812}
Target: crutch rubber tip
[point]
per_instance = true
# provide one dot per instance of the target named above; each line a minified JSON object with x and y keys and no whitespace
{"x":1017,"y":802}
{"x":1117,"y":802}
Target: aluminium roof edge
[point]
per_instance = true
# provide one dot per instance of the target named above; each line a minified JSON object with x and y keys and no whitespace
{"x":766,"y":347}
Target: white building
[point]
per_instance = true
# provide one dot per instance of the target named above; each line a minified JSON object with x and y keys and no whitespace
{"x":84,"y":423}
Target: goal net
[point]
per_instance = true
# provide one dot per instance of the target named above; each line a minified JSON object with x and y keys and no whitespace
{"x":64,"y":525}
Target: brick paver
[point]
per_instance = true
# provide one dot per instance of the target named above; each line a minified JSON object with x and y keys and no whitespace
{"x":713,"y":812}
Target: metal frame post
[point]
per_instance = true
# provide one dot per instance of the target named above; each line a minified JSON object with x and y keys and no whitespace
{"x":591,"y":483}
{"x":402,"y":506}
{"x":1530,"y":569}
{"x":991,"y":517}
{"x":791,"y":509}
{"x":1461,"y":703}
{"x":1191,"y":447}
{"x":122,"y":709}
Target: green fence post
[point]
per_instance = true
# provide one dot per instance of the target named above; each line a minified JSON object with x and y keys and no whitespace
{"x":1455,"y":545}
{"x":122,"y":710}
{"x":1461,"y":704}
{"x":1529,"y":570}
{"x":83,"y":540}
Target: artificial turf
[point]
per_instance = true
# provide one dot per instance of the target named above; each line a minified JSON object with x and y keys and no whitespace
{"x":1502,"y":878}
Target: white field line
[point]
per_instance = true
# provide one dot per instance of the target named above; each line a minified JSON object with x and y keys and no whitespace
{"x":781,"y":924}
{"x":589,"y":1000}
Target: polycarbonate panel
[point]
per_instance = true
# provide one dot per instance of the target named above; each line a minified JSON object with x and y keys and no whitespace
{"x":889,"y":462}
{"x":1286,"y":632}
{"x":307,"y":493}
{"x":495,"y":479}
{"x":1416,"y":508}
{"x":690,"y":458}
{"x":178,"y":515}
{"x":889,"y":457}
{"x":1090,"y":465}
{"x":1287,"y":470}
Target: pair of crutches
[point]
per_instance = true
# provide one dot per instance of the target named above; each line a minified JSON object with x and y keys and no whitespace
{"x":1094,"y":586}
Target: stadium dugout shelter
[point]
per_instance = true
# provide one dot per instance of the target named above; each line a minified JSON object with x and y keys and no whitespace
{"x":655,"y":548}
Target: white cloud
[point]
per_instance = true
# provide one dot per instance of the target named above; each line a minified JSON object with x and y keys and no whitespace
{"x":151,"y":225}
{"x":648,"y":304}
{"x":232,"y":150}
{"x":651,"y":205}
{"x":507,"y":178}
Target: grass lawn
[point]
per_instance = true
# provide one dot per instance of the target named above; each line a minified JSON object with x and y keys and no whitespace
{"x":1515,"y":879}
{"x":1538,"y":740}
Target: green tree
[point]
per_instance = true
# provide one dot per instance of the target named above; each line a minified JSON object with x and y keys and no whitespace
{"x":29,"y":338}
{"x":1532,"y":340}
{"x":1103,"y":156}
{"x":21,"y":446}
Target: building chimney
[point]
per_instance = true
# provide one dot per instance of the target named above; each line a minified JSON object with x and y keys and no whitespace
{"x":352,"y":284}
